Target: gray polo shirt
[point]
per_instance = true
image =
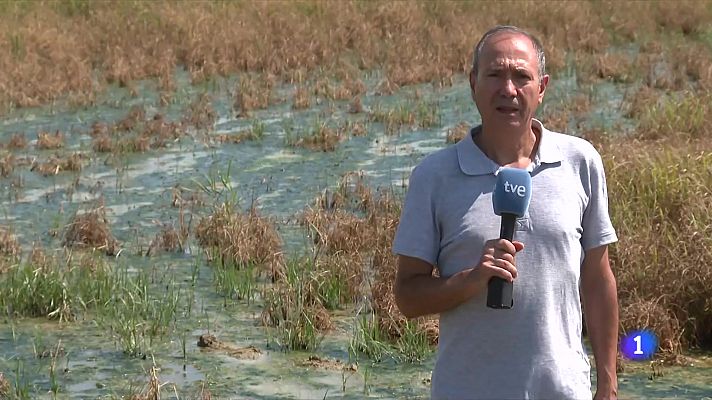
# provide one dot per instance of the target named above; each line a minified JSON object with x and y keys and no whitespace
{"x":534,"y":350}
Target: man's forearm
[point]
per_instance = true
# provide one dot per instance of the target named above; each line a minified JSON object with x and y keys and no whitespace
{"x":423,"y":295}
{"x":601,"y":311}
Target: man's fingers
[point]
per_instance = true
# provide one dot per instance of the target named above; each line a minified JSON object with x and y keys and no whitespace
{"x":506,"y":246}
{"x":508,"y":267}
{"x":518,"y":246}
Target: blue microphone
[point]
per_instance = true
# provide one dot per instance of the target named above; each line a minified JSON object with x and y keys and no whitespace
{"x":510,"y":199}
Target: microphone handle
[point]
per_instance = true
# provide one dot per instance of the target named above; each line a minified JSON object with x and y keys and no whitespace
{"x":506,"y":229}
{"x":499,"y":291}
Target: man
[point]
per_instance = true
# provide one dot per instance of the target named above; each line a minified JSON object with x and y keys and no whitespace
{"x":533,"y":350}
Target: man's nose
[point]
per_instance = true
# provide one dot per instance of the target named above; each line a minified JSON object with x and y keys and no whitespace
{"x":508,"y":88}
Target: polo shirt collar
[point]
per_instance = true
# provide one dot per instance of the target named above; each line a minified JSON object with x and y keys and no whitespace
{"x":474,"y":162}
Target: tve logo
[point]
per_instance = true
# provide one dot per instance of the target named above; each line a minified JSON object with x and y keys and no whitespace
{"x":512,"y":191}
{"x":519,"y":190}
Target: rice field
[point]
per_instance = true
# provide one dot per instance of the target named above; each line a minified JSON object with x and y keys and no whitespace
{"x":209,"y":213}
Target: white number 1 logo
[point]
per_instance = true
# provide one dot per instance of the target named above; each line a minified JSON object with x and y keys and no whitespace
{"x":637,"y":340}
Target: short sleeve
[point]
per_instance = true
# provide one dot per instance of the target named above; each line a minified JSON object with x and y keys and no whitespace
{"x":418,"y":233}
{"x":597,"y":227}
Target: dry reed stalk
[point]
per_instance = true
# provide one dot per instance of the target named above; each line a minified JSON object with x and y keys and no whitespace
{"x":103,"y":143}
{"x":456,"y":133}
{"x":355,"y":106}
{"x":163,"y":131}
{"x":182,"y":197}
{"x":618,"y":67}
{"x":154,"y":385}
{"x":253,"y":93}
{"x":167,"y":239}
{"x":73,"y":162}
{"x":356,"y":128}
{"x":240,"y":238}
{"x":91,"y":229}
{"x":135,"y":115}
{"x":323,"y":138}
{"x":386,"y":87}
{"x":204,"y":392}
{"x":200,"y":114}
{"x":99,"y":128}
{"x":638,"y":102}
{"x":55,"y":165}
{"x":52,"y":167}
{"x":39,"y":258}
{"x":9,"y":246}
{"x":234,"y":138}
{"x":7,"y":165}
{"x":4,"y":386}
{"x":337,"y":230}
{"x":294,"y":300}
{"x":17,"y":142}
{"x":47,"y":140}
{"x":301,"y":99}
{"x":656,"y":317}
{"x":340,"y":91}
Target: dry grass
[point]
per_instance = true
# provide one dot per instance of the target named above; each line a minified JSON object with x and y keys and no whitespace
{"x":47,"y":140}
{"x":356,"y":225}
{"x":200,"y":114}
{"x":10,"y":250}
{"x":456,"y":133}
{"x":135,"y":115}
{"x":682,"y":115}
{"x":617,"y":67}
{"x":637,"y":102}
{"x":301,"y":98}
{"x":355,"y":128}
{"x":55,"y":165}
{"x":320,"y":136}
{"x":344,"y":90}
{"x":413,"y":114}
{"x":355,"y":106}
{"x":182,"y":197}
{"x":53,"y":50}
{"x":135,"y":132}
{"x":236,"y":238}
{"x":295,"y":300}
{"x":168,"y":239}
{"x":659,"y":202}
{"x":7,"y":165}
{"x":152,"y":390}
{"x":91,"y":229}
{"x":253,"y":93}
{"x":18,"y":141}
{"x":4,"y":386}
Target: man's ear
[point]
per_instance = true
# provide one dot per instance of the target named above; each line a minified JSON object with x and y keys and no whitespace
{"x":542,"y":87}
{"x":473,"y":82}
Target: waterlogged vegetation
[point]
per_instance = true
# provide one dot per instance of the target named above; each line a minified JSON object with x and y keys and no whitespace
{"x":209,"y":214}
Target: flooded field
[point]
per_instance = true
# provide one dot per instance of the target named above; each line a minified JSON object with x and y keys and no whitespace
{"x":177,"y":323}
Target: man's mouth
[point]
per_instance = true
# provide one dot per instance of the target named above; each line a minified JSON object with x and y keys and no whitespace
{"x":507,"y":109}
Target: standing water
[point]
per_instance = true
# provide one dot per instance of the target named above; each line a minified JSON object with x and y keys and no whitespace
{"x":166,"y":326}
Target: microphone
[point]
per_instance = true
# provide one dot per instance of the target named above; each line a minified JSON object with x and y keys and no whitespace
{"x":510,"y":199}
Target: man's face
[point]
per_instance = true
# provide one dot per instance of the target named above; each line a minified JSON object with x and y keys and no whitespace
{"x":507,"y":88}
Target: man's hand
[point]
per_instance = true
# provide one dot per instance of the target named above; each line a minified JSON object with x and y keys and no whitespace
{"x":497,"y":261}
{"x":417,"y":292}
